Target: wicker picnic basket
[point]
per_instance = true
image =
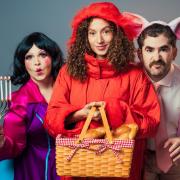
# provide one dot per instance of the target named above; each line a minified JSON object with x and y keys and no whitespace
{"x":93,"y":157}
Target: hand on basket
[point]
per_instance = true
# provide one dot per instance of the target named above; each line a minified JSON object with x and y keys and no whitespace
{"x":97,"y":115}
{"x":1,"y":137}
{"x":83,"y":113}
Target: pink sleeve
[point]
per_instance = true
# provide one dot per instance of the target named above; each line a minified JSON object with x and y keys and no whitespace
{"x":15,"y":127}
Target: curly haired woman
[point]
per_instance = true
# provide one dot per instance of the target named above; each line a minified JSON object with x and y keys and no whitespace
{"x":100,"y":72}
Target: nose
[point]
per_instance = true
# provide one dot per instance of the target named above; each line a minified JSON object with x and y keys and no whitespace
{"x":156,"y":56}
{"x":100,"y":38}
{"x":36,"y":61}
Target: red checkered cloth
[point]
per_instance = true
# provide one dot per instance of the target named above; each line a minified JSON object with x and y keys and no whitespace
{"x":104,"y":145}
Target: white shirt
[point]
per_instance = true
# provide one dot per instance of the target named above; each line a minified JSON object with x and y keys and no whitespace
{"x":170,"y":94}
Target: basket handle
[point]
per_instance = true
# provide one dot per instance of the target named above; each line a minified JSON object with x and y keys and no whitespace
{"x":88,"y":120}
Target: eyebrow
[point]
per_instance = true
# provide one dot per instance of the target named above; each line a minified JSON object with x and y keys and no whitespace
{"x":164,"y":46}
{"x":149,"y":47}
{"x":42,"y":50}
{"x":108,"y":26}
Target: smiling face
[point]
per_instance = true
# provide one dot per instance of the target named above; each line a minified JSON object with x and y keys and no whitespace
{"x":157,"y":55}
{"x":100,"y":36}
{"x":38,"y":64}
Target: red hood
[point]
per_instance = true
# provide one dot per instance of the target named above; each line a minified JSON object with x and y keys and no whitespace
{"x":130,"y":22}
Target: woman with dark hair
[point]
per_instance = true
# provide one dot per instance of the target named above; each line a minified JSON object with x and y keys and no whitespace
{"x":100,"y":72}
{"x":37,"y":61}
{"x":20,"y":74}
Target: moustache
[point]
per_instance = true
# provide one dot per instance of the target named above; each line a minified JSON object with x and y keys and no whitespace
{"x":159,"y":62}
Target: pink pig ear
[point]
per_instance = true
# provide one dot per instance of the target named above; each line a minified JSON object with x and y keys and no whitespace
{"x":177,"y":31}
{"x":138,"y":19}
{"x":175,"y":26}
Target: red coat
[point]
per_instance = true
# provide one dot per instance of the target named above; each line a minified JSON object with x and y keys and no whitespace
{"x":129,"y":97}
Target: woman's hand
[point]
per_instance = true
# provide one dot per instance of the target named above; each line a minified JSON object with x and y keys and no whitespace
{"x":87,"y":108}
{"x":83,"y":113}
{"x":1,"y":137}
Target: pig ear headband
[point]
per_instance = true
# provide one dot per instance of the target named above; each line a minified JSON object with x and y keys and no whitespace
{"x":174,"y":24}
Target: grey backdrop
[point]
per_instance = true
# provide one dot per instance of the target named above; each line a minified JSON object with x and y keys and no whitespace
{"x":52,"y":17}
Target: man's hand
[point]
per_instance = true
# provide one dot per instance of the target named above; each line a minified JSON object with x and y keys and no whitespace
{"x":174,"y":148}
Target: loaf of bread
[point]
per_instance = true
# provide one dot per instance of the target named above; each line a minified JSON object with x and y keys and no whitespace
{"x":96,"y":133}
{"x":134,"y":130}
{"x":121,"y":132}
{"x":126,"y":131}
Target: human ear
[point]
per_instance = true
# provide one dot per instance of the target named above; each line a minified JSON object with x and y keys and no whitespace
{"x":174,"y":53}
{"x":139,"y":54}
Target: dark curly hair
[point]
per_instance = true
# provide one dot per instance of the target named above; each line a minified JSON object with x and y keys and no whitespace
{"x":120,"y":53}
{"x":20,"y":75}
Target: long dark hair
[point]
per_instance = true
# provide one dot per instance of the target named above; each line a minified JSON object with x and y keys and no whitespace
{"x":20,"y":75}
{"x":120,"y":53}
